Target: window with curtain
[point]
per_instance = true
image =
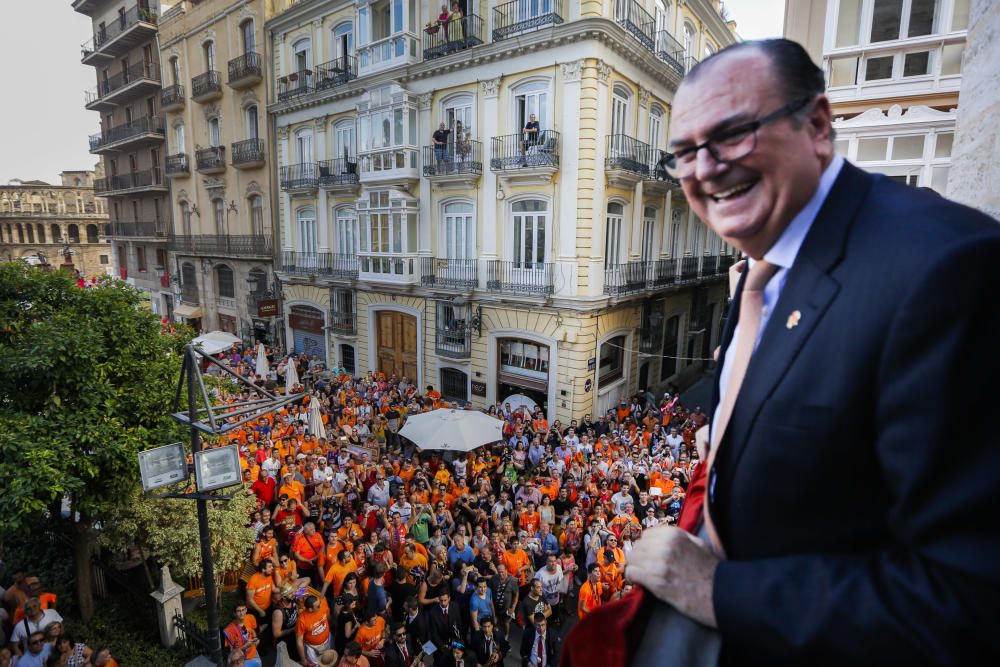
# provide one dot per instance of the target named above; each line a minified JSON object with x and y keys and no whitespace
{"x":224,"y":282}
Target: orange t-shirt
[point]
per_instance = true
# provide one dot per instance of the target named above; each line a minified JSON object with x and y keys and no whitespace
{"x":266,"y":550}
{"x":313,"y":627}
{"x":237,"y":639}
{"x":336,"y":573}
{"x":515,"y":560}
{"x":590,"y":598}
{"x":530,"y":521}
{"x":260,"y":586}
{"x":369,"y":637}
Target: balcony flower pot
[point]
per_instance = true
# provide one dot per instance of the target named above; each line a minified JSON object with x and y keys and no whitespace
{"x":308,"y":72}
{"x":432,"y":28}
{"x":293,"y":77}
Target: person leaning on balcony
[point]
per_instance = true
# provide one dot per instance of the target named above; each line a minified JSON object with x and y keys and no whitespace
{"x":440,"y":138}
{"x":456,"y":26}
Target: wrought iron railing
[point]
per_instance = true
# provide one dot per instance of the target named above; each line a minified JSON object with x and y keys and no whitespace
{"x":663,"y":273}
{"x":172,"y":95}
{"x":245,"y":66}
{"x":343,"y":323}
{"x":670,"y":51}
{"x":519,"y":16}
{"x":248,"y":150}
{"x":177,"y":164}
{"x":622,"y":279}
{"x":149,"y":71}
{"x":211,"y":158}
{"x":137,"y":127}
{"x":256,"y":245}
{"x":630,"y":15}
{"x":295,"y":84}
{"x":189,"y":294}
{"x":337,"y":72}
{"x":206,"y":84}
{"x":689,"y":63}
{"x":124,"y":22}
{"x":463,"y":156}
{"x":455,"y":343}
{"x":522,"y":150}
{"x":299,"y":176}
{"x":636,"y":277}
{"x":519,"y":277}
{"x":146,"y":228}
{"x":458,"y":34}
{"x":627,"y":153}
{"x":650,"y":339}
{"x":690,"y":267}
{"x":190,"y":636}
{"x":342,"y":171}
{"x":131,"y":181}
{"x":449,"y":273}
{"x":320,"y":263}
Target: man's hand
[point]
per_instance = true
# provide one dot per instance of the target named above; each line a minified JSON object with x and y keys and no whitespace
{"x":678,"y":568}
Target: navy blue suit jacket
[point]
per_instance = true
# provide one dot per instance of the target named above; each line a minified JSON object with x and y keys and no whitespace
{"x":857,"y":487}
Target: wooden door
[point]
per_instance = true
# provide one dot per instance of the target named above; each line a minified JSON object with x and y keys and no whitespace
{"x":397,"y":344}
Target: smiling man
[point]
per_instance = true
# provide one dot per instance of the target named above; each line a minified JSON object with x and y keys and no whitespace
{"x":864,"y":320}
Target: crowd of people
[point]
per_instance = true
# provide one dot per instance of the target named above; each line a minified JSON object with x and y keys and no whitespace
{"x":32,"y":632}
{"x":370,"y":551}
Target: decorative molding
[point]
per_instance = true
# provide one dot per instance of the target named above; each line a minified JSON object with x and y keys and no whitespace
{"x":212,"y":111}
{"x":253,"y":188}
{"x":491,"y":87}
{"x":320,"y":124}
{"x":424,"y":101}
{"x":896,"y":116}
{"x":249,"y":98}
{"x":317,"y":24}
{"x":644,"y":94}
{"x":604,"y":71}
{"x":283,"y":132}
{"x":571,"y":70}
{"x":208,"y":36}
{"x":182,"y":195}
{"x":176,"y":122}
{"x":246,"y":12}
{"x":215,"y":183}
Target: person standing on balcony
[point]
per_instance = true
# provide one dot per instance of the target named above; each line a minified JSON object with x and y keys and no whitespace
{"x":440,"y":139}
{"x":529,"y":134}
{"x":456,"y":25}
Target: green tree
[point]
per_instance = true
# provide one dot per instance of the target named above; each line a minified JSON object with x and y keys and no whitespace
{"x":86,"y":382}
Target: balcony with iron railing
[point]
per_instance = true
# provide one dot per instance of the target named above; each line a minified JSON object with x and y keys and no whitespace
{"x":237,"y":245}
{"x":453,"y":342}
{"x":177,"y":165}
{"x":458,"y":274}
{"x":689,"y":63}
{"x":517,"y":17}
{"x":523,"y":151}
{"x":441,"y":39}
{"x":339,"y":174}
{"x":458,"y":161}
{"x":299,"y":177}
{"x":144,"y":229}
{"x":248,"y":154}
{"x":119,"y":35}
{"x":206,"y":87}
{"x":333,"y":265}
{"x":172,"y":98}
{"x":401,"y":48}
{"x":639,"y":23}
{"x":389,"y":268}
{"x":521,"y":278}
{"x":343,"y":323}
{"x":140,"y":78}
{"x":210,"y":160}
{"x":627,"y":160}
{"x":150,"y":180}
{"x":295,"y":85}
{"x":670,"y":51}
{"x":245,"y":71}
{"x":336,"y":73}
{"x":135,"y":133}
{"x":644,"y":276}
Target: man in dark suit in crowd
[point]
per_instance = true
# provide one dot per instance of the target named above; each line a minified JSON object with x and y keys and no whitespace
{"x":489,"y":644}
{"x":416,"y":621}
{"x":538,"y":643}
{"x":400,"y":650}
{"x":845,"y":512}
{"x":444,"y":620}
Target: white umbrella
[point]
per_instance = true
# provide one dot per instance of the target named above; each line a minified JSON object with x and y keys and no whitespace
{"x":291,"y":375}
{"x":316,"y":426}
{"x":215,"y":342}
{"x":262,"y":367}
{"x":452,"y":430}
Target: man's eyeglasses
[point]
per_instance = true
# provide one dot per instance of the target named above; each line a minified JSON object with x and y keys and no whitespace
{"x":729,"y":145}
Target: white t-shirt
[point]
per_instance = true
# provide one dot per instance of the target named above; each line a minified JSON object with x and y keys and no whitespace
{"x":551,"y":583}
{"x":20,"y":635}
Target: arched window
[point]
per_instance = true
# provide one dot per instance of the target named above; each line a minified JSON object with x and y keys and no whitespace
{"x":532,"y":97}
{"x":302,"y":56}
{"x":613,"y":235}
{"x":56,"y":232}
{"x":530,"y":218}
{"x":346,"y":222}
{"x":20,"y":233}
{"x":175,"y":71}
{"x":458,"y":113}
{"x":344,"y":140}
{"x":648,"y":233}
{"x":257,"y":215}
{"x":304,"y":145}
{"x":248,"y":37}
{"x":186,"y":218}
{"x":92,"y":236}
{"x":252,"y":122}
{"x":214,"y":133}
{"x":621,"y":116}
{"x":179,"y":138}
{"x":219,"y":216}
{"x":31,"y":232}
{"x":307,"y":231}
{"x":688,"y":41}
{"x":41,"y":233}
{"x":459,"y":230}
{"x":224,"y":283}
{"x":188,"y":277}
{"x":74,"y":234}
{"x":655,"y":135}
{"x":208,"y":49}
{"x":343,"y":40}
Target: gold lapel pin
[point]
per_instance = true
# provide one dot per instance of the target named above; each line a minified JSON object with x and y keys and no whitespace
{"x":793,"y":320}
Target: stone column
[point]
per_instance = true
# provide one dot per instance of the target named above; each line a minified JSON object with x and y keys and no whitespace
{"x":569,"y":178}
{"x":317,"y":43}
{"x":287,"y":242}
{"x":489,"y":230}
{"x":596,"y":269}
{"x":322,"y":215}
{"x":668,"y":203}
{"x":425,"y":127}
{"x":168,"y":605}
{"x":635,"y":244}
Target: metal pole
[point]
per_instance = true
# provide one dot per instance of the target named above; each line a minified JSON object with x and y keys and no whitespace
{"x":207,"y":569}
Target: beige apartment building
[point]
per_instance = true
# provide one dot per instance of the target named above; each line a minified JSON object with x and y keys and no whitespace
{"x":59,"y":225}
{"x":214,"y":101}
{"x":894,"y":70}
{"x":531,"y":254}
{"x":124,"y":53}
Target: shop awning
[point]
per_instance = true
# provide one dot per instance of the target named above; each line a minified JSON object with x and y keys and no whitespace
{"x":188,"y":312}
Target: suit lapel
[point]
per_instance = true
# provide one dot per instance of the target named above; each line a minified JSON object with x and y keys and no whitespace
{"x":727,"y":337}
{"x":809,"y":289}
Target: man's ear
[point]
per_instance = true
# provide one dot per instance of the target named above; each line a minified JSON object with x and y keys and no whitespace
{"x":821,"y":125}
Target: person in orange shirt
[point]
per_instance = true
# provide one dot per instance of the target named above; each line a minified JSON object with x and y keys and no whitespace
{"x":312,"y":630}
{"x":371,"y":635}
{"x":259,"y":587}
{"x":241,"y":635}
{"x":337,"y":571}
{"x":292,"y":487}
{"x":412,"y":558}
{"x":591,"y":592}
{"x":517,"y":561}
{"x":307,"y":549}
{"x":266,"y":547}
{"x":530,"y":520}
{"x":288,"y":572}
